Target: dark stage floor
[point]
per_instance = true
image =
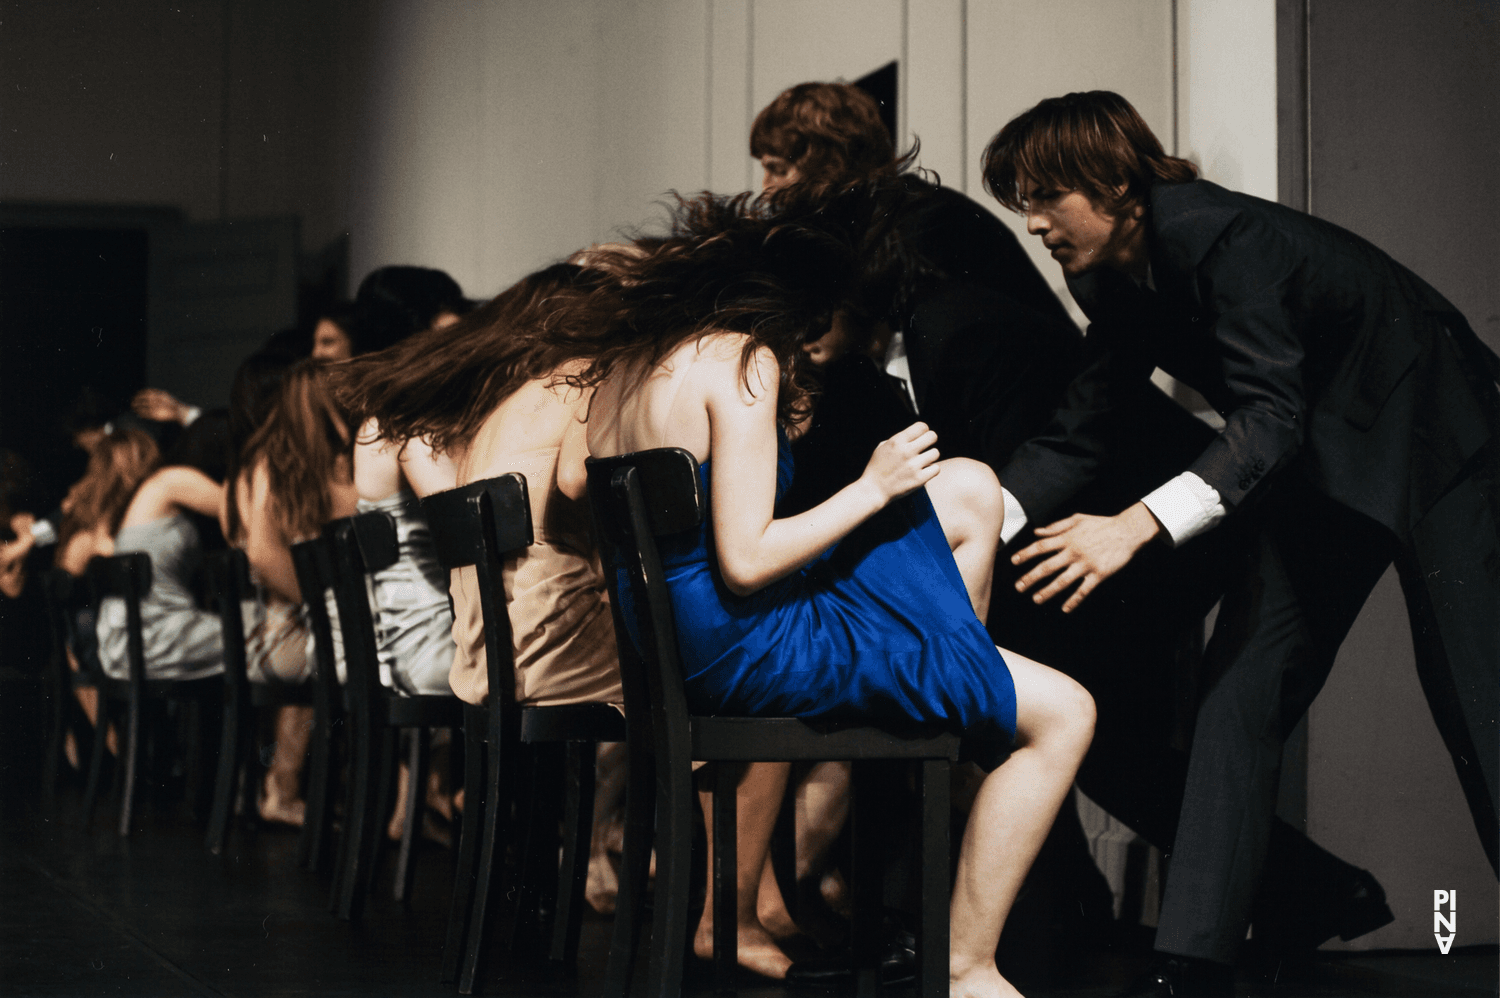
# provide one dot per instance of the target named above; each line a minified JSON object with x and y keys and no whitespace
{"x":85,"y":913}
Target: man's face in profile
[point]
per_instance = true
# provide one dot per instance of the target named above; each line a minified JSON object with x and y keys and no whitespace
{"x":778,"y":173}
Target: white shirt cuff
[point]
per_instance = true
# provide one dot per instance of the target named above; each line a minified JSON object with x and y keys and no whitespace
{"x":191,"y":415}
{"x":1186,"y":507}
{"x":1015,"y":518}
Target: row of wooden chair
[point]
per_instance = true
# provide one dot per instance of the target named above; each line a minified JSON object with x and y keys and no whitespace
{"x":511,"y":748}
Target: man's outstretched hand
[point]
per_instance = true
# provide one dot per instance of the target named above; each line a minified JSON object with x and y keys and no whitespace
{"x":1084,"y":549}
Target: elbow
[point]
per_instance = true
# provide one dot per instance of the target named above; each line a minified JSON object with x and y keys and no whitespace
{"x":741,"y":579}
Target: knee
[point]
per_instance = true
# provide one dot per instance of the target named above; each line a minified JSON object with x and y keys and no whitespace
{"x":1071,"y":717}
{"x":974,"y":491}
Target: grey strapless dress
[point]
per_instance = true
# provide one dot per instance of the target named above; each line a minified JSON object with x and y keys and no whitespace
{"x":413,"y":624}
{"x":181,"y":640}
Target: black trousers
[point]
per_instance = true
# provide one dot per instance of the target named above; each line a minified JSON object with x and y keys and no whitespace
{"x":1310,"y":567}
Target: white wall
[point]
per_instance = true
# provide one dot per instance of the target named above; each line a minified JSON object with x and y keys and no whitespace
{"x":1405,"y":132}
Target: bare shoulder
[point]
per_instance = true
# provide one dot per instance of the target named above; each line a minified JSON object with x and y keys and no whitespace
{"x":727,"y":377}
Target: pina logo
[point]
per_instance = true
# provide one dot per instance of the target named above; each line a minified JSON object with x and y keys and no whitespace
{"x":1441,"y":922}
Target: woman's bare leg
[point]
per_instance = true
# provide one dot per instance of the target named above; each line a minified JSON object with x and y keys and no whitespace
{"x":970,"y":506}
{"x":293,"y":732}
{"x":1012,"y":813}
{"x":757,"y":801}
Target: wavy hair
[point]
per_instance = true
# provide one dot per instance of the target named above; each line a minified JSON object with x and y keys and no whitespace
{"x":774,"y":267}
{"x":832,"y":134}
{"x":117,"y":466}
{"x":441,"y":384}
{"x":1094,"y":142}
{"x":300,"y":442}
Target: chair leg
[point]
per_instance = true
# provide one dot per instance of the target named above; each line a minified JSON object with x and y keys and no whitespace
{"x":96,"y":759}
{"x":230,"y":752}
{"x":476,"y":719}
{"x":132,"y":761}
{"x":312,"y":843}
{"x":378,"y":800}
{"x":725,"y":876}
{"x":932,"y":941}
{"x":864,"y":930}
{"x":675,"y":807}
{"x":416,"y":806}
{"x":362,"y":773}
{"x":494,"y":824}
{"x":537,"y":851}
{"x":640,"y":821}
{"x":573,"y":873}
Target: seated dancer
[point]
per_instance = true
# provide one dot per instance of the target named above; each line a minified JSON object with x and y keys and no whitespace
{"x":181,"y":640}
{"x":292,"y":476}
{"x":119,"y":460}
{"x":855,"y":609}
{"x":468,"y":401}
{"x":1361,"y":428}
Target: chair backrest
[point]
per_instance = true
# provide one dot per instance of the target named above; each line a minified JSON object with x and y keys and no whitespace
{"x":62,"y":594}
{"x":229,"y":583}
{"x":313,"y":562}
{"x":637,"y":498}
{"x":127,"y":576}
{"x":481,"y":524}
{"x":360,"y":544}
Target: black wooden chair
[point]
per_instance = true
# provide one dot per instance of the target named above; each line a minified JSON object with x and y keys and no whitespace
{"x":313,"y":563}
{"x":128,"y":576}
{"x":63,"y":596}
{"x":229,"y":583}
{"x":480,"y":525}
{"x":636,"y":499}
{"x":361,"y":545}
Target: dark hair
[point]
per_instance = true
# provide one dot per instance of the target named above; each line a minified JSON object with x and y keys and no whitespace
{"x":1093,"y":142}
{"x":118,"y":464}
{"x":831,"y":132}
{"x":441,"y":384}
{"x":300,"y":441}
{"x":90,"y":410}
{"x":206,"y":445}
{"x":774,"y":267}
{"x":395,"y":302}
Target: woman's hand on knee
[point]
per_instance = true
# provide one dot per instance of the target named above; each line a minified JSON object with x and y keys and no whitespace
{"x":903,"y":463}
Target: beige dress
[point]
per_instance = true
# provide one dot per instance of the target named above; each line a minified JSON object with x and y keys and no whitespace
{"x":559,"y":613}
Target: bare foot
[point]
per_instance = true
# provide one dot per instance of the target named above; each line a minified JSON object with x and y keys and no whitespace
{"x":287,"y":812}
{"x":779,"y":924}
{"x":756,"y":949}
{"x":983,"y":981}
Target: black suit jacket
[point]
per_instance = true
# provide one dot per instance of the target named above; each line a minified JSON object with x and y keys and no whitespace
{"x":1320,"y":351}
{"x":992,"y":352}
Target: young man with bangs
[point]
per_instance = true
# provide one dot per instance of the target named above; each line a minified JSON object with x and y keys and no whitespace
{"x":1362,"y":427}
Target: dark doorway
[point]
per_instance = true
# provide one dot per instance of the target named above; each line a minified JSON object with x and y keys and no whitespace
{"x":881,"y":85}
{"x":72,"y":317}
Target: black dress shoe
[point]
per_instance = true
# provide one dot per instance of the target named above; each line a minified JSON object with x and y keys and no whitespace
{"x":1182,"y":977}
{"x":1355,"y":909}
{"x":898,"y":965}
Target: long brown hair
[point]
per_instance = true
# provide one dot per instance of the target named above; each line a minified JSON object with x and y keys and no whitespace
{"x":300,"y":444}
{"x":774,"y":267}
{"x":118,"y":464}
{"x":441,"y":384}
{"x":1093,"y":142}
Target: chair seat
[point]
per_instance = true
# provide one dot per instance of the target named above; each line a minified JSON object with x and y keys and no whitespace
{"x":281,"y":694}
{"x":788,"y":739}
{"x":577,"y":722}
{"x":209,"y":687}
{"x":433,"y":711}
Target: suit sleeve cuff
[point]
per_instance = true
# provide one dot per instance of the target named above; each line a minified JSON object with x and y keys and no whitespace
{"x":1186,"y":507}
{"x":1015,"y":518}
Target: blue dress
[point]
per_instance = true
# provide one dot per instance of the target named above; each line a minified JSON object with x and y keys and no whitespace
{"x":878,"y":629}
